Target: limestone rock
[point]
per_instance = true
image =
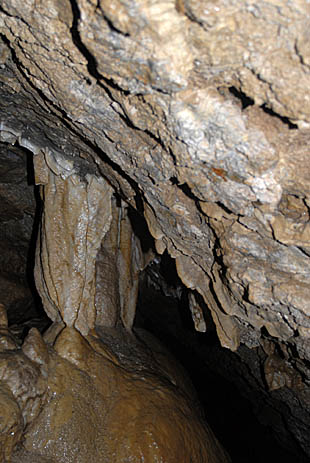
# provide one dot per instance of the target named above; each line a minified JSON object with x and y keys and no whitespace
{"x":118,"y":266}
{"x":11,"y":423}
{"x":76,"y":217}
{"x":174,"y":125}
{"x":197,"y":114}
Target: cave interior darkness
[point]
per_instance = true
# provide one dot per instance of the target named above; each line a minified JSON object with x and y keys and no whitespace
{"x":163,"y":310}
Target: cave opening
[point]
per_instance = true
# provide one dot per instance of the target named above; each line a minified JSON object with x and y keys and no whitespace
{"x":163,"y":310}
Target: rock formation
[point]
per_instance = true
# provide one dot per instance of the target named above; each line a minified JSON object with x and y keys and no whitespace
{"x":74,"y":396}
{"x":195,"y":114}
{"x":87,"y":400}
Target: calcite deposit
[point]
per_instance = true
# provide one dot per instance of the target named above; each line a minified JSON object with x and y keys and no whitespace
{"x":88,"y":399}
{"x":196,"y":115}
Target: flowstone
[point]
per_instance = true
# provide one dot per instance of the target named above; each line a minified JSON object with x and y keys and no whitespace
{"x":102,"y":397}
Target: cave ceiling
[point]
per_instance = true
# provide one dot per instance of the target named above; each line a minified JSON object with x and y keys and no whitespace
{"x":205,"y":120}
{"x":197,"y":114}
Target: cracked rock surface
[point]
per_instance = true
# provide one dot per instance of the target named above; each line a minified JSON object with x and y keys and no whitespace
{"x":197,"y":114}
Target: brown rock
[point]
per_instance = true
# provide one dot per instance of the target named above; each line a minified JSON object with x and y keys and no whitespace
{"x":131,"y":414}
{"x":11,"y":423}
{"x":198,"y":115}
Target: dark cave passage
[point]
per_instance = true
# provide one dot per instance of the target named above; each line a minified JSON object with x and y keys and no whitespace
{"x":221,"y":378}
{"x":20,"y":212}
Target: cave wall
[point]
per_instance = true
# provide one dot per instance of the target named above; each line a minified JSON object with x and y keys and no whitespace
{"x":17,"y":216}
{"x":197,"y":113}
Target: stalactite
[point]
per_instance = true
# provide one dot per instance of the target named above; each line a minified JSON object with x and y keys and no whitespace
{"x":76,"y":216}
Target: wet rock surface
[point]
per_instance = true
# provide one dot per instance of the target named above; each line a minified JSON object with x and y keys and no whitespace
{"x":102,"y":398}
{"x":196,"y":114}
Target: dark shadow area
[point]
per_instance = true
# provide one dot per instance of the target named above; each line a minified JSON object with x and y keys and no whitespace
{"x":227,"y":410}
{"x":139,"y":226}
{"x":285,"y":120}
{"x":19,"y":237}
{"x":41,"y":321}
{"x":244,"y":99}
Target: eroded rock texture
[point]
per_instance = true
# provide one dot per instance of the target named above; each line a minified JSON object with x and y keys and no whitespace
{"x":197,"y":114}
